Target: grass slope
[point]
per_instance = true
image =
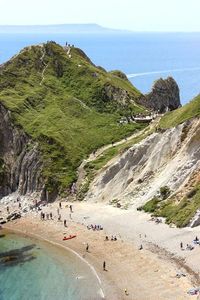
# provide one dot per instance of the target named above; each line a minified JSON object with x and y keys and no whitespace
{"x":179,"y":213}
{"x":61,"y":102}
{"x":182,"y":114}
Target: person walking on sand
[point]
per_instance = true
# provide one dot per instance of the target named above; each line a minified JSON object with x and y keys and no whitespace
{"x":60,"y":205}
{"x":65,"y":223}
{"x":104,"y":266}
{"x":126,"y":292}
{"x":70,"y":207}
{"x":87,"y":248}
{"x":181,"y":245}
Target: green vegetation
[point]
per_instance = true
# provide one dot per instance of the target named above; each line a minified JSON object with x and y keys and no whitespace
{"x":66,"y":105}
{"x":119,"y":74}
{"x":151,"y":205}
{"x":182,"y":114}
{"x":94,"y":166}
{"x":179,"y":213}
{"x":164,"y":192}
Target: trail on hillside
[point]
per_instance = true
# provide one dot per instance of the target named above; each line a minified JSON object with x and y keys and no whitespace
{"x":45,"y":65}
{"x":93,"y":156}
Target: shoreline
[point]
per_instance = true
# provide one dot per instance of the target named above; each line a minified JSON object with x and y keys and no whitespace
{"x":128,"y":268}
{"x":56,"y":244}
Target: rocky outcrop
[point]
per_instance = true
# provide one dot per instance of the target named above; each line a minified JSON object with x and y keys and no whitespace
{"x":163,"y":97}
{"x":113,"y":93}
{"x":21,"y":165}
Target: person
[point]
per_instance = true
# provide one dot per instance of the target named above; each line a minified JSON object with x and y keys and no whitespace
{"x":106,"y":239}
{"x":181,"y":245}
{"x":60,"y":205}
{"x":8,"y":209}
{"x":126,"y":292}
{"x":51,"y":215}
{"x":70,"y":208}
{"x":104,"y":266}
{"x":87,"y":247}
{"x":20,"y":206}
{"x":141,"y":247}
{"x":65,"y":223}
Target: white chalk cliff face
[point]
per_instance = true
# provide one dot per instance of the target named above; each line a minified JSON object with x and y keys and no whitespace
{"x":168,"y":158}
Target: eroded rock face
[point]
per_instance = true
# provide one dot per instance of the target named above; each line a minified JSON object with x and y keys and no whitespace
{"x":163,"y":97}
{"x":20,"y":159}
{"x":162,"y":159}
{"x":112,"y":93}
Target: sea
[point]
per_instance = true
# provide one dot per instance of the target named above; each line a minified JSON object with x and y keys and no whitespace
{"x":43,"y":271}
{"x":34,"y":270}
{"x":144,"y":57}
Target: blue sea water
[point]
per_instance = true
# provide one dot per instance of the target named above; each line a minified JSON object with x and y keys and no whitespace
{"x":43,"y":272}
{"x":146,"y":56}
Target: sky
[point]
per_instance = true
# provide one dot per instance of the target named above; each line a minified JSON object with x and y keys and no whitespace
{"x":136,"y":15}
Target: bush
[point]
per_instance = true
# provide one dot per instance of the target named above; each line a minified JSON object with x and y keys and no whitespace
{"x":165,"y":192}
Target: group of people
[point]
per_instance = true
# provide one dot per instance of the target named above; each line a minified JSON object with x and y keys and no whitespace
{"x":47,"y":216}
{"x":94,"y":227}
{"x":113,"y":238}
{"x":196,"y":241}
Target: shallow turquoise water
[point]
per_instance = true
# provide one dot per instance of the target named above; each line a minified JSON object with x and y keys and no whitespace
{"x":43,"y":272}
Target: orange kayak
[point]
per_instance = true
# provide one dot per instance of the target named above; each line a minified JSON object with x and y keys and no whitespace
{"x":69,"y":237}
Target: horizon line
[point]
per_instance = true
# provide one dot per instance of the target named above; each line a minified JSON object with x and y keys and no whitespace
{"x":101,"y":26}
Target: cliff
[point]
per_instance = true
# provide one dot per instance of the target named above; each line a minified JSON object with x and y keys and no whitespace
{"x":164,"y":161}
{"x":21,"y":163}
{"x":163,"y":97}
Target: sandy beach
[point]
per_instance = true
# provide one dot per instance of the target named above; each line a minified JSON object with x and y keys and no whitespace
{"x":149,"y":273}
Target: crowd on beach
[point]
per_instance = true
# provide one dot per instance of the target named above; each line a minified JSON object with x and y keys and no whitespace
{"x":190,"y":247}
{"x":94,"y":227}
{"x":47,"y":212}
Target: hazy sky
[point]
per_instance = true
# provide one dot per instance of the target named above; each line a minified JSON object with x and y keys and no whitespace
{"x":151,"y":15}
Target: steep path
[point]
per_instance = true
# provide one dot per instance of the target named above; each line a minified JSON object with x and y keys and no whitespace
{"x":95,"y":155}
{"x":45,"y":65}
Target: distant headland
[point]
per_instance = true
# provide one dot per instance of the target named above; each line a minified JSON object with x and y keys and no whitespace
{"x":60,"y":28}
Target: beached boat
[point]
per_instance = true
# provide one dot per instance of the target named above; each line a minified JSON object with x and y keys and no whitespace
{"x":68,"y":237}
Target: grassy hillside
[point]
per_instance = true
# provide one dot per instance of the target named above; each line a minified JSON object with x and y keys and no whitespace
{"x":178,"y":213}
{"x":67,"y":104}
{"x":188,"y":111}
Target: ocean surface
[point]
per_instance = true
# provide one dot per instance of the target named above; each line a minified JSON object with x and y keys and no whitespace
{"x":145,"y":57}
{"x":41,"y":271}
